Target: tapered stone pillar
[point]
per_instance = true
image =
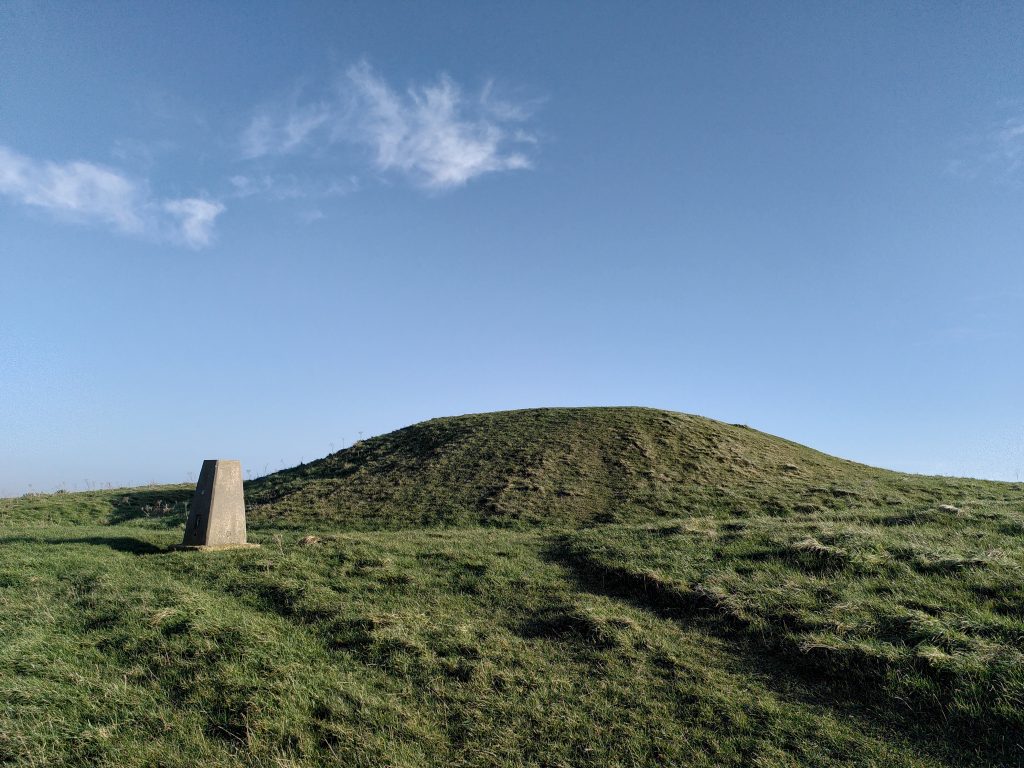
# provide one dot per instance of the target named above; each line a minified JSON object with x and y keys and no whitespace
{"x":217,"y":516}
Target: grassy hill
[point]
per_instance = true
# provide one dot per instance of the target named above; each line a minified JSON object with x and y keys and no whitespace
{"x":578,"y":466}
{"x":575,"y":587}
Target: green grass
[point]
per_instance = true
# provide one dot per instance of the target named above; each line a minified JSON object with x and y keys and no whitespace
{"x":569,"y":467}
{"x":612,"y":587}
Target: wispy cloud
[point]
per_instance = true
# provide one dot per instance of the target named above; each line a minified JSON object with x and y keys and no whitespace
{"x":435,"y":134}
{"x":286,"y":186}
{"x":270,"y":134}
{"x":74,"y":190}
{"x":89,"y":193}
{"x":995,"y":153}
{"x":195,"y":217}
{"x":1008,"y":143}
{"x":310,"y":216}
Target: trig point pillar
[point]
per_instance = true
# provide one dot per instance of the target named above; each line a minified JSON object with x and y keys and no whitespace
{"x":217,"y":515}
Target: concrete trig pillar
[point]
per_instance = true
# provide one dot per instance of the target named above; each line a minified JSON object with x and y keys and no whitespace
{"x":217,"y":515}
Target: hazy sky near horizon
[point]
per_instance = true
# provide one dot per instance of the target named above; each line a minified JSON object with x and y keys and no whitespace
{"x":259,"y":231}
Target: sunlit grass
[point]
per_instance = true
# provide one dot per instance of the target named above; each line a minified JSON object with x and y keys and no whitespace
{"x":709,"y":596}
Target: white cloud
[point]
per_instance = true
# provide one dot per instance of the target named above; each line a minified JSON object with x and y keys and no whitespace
{"x":88,"y":193}
{"x":289,"y":186}
{"x":258,"y":138}
{"x":433,"y":134}
{"x":196,"y":217}
{"x":995,"y":154}
{"x":269,"y":133}
{"x":302,"y":123}
{"x":1009,"y":143}
{"x":310,"y":216}
{"x":76,"y":190}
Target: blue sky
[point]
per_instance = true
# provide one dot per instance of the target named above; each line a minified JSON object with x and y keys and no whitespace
{"x":258,"y":232}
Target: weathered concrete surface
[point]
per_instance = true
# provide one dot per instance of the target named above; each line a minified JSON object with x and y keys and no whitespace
{"x":217,"y":516}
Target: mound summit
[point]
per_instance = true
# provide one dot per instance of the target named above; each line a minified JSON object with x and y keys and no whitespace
{"x":569,"y":467}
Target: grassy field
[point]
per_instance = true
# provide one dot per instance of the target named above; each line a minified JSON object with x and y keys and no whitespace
{"x":594,"y":587}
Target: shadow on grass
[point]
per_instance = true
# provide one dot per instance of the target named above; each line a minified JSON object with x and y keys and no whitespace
{"x":789,"y":675}
{"x":126,"y":544}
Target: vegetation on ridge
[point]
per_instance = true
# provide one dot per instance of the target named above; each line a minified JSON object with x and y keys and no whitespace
{"x":577,"y":587}
{"x":578,"y":466}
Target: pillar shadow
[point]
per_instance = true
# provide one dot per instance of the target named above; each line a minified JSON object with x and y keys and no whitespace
{"x":128,"y":544}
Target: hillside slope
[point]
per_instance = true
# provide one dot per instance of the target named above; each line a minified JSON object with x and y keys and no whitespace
{"x":585,"y":587}
{"x":573,"y":466}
